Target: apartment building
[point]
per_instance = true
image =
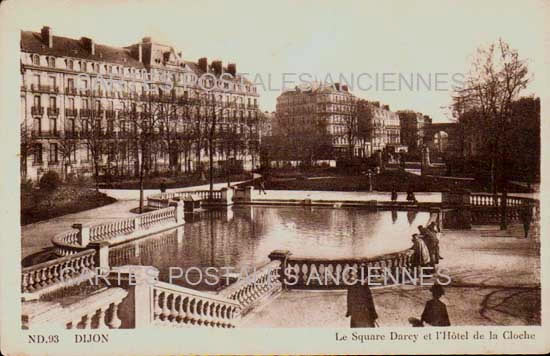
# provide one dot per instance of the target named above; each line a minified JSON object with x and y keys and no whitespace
{"x":69,"y":86}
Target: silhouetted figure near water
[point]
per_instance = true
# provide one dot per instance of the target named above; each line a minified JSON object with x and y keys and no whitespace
{"x":410,"y":196}
{"x":393,"y":195}
{"x":360,"y":304}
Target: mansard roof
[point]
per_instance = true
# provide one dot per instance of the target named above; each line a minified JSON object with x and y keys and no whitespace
{"x":69,"y":47}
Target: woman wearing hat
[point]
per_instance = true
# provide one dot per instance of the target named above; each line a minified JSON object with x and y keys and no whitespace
{"x":435,"y":311}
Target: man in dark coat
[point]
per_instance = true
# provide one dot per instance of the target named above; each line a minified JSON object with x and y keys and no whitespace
{"x":360,"y":304}
{"x":435,"y":311}
{"x":526,"y":215}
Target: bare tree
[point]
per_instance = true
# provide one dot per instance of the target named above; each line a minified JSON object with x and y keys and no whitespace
{"x":494,"y":82}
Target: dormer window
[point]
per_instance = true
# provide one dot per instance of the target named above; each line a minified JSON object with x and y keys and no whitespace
{"x":36,"y":60}
{"x":51,"y":62}
{"x":69,"y":64}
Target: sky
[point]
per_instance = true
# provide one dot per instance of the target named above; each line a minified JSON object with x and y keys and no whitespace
{"x":356,"y":39}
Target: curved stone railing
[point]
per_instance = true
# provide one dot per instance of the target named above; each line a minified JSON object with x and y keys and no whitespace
{"x":252,"y":289}
{"x":105,"y":231}
{"x":318,"y":273}
{"x":178,"y":306}
{"x":97,"y":311}
{"x":73,"y":241}
{"x":40,"y":276}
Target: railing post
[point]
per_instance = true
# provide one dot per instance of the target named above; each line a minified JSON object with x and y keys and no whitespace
{"x":102,"y":254}
{"x":178,"y":213}
{"x":249,"y":192}
{"x":137,"y":225}
{"x":227,"y":195}
{"x":83,"y":234}
{"x":282,"y":256}
{"x":137,"y":309}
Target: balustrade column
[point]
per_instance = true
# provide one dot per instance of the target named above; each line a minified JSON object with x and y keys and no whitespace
{"x":282,"y":256}
{"x":138,"y":308}
{"x":83,"y":237}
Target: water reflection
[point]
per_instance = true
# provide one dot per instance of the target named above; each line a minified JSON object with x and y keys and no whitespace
{"x":242,"y":237}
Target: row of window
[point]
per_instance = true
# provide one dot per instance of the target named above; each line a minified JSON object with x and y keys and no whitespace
{"x":156,"y":74}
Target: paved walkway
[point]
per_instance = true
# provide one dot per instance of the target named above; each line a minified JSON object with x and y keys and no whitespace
{"x":495,"y":281}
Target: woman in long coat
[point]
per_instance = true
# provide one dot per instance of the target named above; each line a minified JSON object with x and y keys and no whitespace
{"x":361,"y":305}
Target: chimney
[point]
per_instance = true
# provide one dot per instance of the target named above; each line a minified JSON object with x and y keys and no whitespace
{"x":203,"y":64}
{"x":47,"y":36}
{"x":88,"y":44}
{"x":217,"y":65}
{"x":337,"y":86}
{"x":140,"y":52}
{"x":232,"y":69}
{"x":344,"y":87}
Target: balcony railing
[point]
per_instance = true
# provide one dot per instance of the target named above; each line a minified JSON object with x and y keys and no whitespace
{"x":110,"y":114}
{"x":98,"y":112}
{"x":71,"y":91}
{"x":37,"y":110}
{"x":53,"y":111}
{"x":71,"y":112}
{"x":46,"y":134}
{"x":85,"y":112}
{"x":44,"y":88}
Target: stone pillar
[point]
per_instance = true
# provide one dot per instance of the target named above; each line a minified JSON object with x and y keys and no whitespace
{"x":459,"y":212}
{"x":102,"y":254}
{"x":249,"y":193}
{"x":179,"y":213}
{"x":136,"y":310}
{"x":281,"y":255}
{"x":83,"y":234}
{"x":227,"y":195}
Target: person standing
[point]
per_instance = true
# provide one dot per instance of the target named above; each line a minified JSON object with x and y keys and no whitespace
{"x":421,"y":255}
{"x":526,"y":218}
{"x":163,"y":186}
{"x":262,"y":186}
{"x":360,"y":304}
{"x":435,"y":311}
{"x":393,"y":195}
{"x":410,"y":195}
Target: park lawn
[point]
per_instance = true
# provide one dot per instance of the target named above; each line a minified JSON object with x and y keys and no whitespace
{"x":67,"y":199}
{"x":172,"y":182}
{"x":401,"y":181}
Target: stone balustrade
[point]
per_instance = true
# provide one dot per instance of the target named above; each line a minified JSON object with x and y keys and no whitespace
{"x":97,"y":311}
{"x":175,"y":306}
{"x":47,"y":274}
{"x":157,"y":217}
{"x":318,"y":273}
{"x":75,"y":240}
{"x":487,"y":199}
{"x":253,"y":289}
{"x":223,"y":196}
{"x":110,"y":229}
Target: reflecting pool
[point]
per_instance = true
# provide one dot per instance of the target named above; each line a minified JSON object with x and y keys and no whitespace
{"x":242,"y":237}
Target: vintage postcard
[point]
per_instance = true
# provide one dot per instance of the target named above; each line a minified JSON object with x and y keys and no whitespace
{"x":273,"y":177}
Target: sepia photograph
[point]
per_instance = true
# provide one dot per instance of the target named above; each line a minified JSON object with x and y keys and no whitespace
{"x":367,"y":171}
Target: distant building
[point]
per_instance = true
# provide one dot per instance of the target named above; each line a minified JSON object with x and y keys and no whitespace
{"x":413,"y":129}
{"x":334,"y":115}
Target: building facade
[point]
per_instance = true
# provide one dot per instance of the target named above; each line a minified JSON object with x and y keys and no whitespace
{"x":414,"y":126}
{"x":84,"y":102}
{"x":338,"y":118}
